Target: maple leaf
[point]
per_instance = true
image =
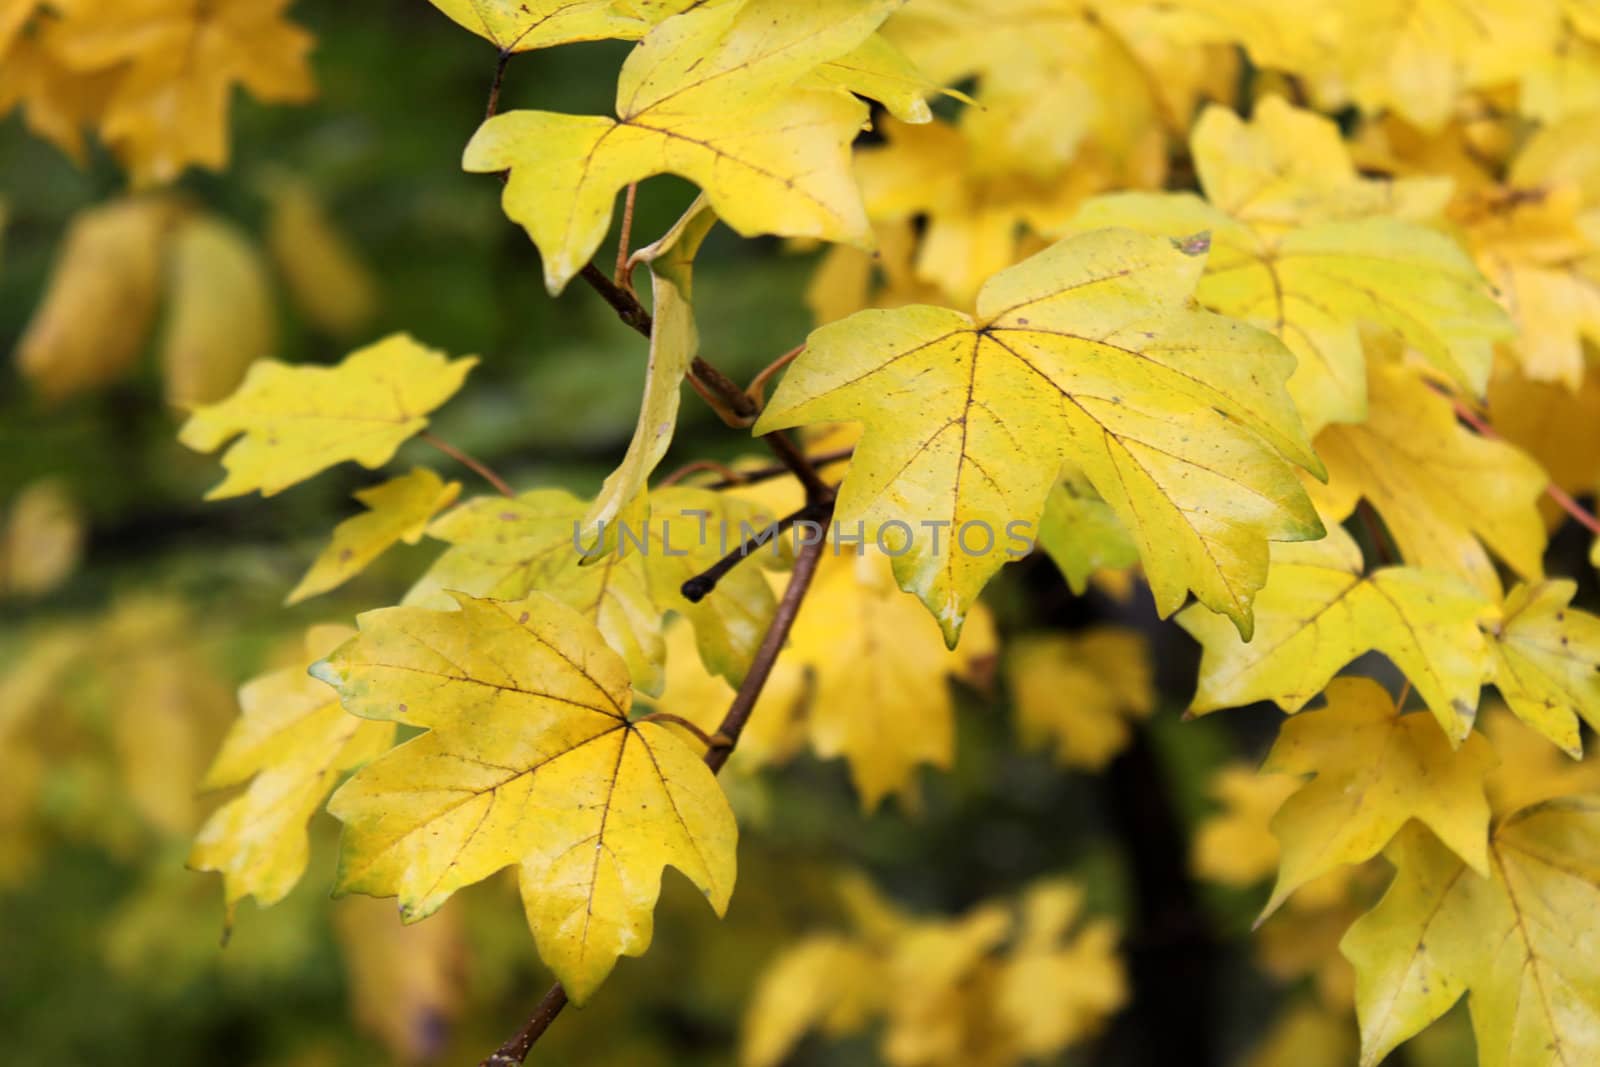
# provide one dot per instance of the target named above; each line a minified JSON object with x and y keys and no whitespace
{"x":707,"y":95}
{"x":1080,"y":690}
{"x":170,"y":105}
{"x":298,"y":421}
{"x":1084,"y":354}
{"x":1547,"y":657}
{"x":1375,"y":770}
{"x":1558,"y":427}
{"x":1318,"y":612}
{"x":1311,"y":252}
{"x":406,"y":981}
{"x":826,"y":982}
{"x":101,"y":300}
{"x":330,"y":284}
{"x":1518,"y":940}
{"x":507,"y":549}
{"x":291,"y":743}
{"x":397,"y":510}
{"x":523,"y":25}
{"x":526,"y":712}
{"x":1446,"y":495}
{"x":1081,"y":534}
{"x":222,"y":316}
{"x":622,"y":499}
{"x":1235,"y":846}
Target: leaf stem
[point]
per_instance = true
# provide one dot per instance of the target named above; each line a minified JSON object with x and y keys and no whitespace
{"x":621,"y":277}
{"x":729,"y":475}
{"x":700,"y":586}
{"x":709,"y":740}
{"x":1563,"y":499}
{"x":494,"y":86}
{"x":477,"y":466}
{"x":515,"y":1050}
{"x":758,"y":385}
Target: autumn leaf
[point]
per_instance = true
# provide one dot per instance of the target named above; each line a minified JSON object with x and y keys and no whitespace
{"x":293,"y":422}
{"x":524,"y":25}
{"x":1318,"y":612}
{"x":1547,"y":661}
{"x":41,"y":539}
{"x":1081,"y":534}
{"x":673,"y":343}
{"x":222,"y":316}
{"x":1447,"y":496}
{"x":1235,"y":845}
{"x":397,"y":510}
{"x":326,"y":277}
{"x":291,"y":744}
{"x":825,"y":982}
{"x":1304,"y":248}
{"x":406,"y":982}
{"x":1078,"y":691}
{"x":1375,"y":769}
{"x":507,"y":549}
{"x":708,"y":95}
{"x":525,"y":710}
{"x":101,"y":301}
{"x":1084,"y":354}
{"x":180,"y":63}
{"x":1519,"y":941}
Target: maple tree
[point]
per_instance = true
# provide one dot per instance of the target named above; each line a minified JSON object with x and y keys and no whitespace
{"x":1264,"y":333}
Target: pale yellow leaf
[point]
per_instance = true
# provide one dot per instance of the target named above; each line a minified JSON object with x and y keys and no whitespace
{"x":1547,"y":657}
{"x":221,"y":316}
{"x":1076,"y":692}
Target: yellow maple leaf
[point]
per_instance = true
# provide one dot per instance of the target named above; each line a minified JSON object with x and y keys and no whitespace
{"x":524,"y":25}
{"x":1557,"y":426}
{"x":1303,"y":247}
{"x":1084,"y":354}
{"x":1317,"y":613}
{"x":101,"y":301}
{"x":291,"y":743}
{"x":1375,"y":769}
{"x":1447,"y":495}
{"x":1306,"y":1036}
{"x":1531,"y":768}
{"x":179,"y":64}
{"x":397,"y":510}
{"x":330,"y":284}
{"x":674,"y":341}
{"x":826,"y":982}
{"x":1547,"y":656}
{"x":509,"y":548}
{"x":1235,"y":846}
{"x":406,"y":982}
{"x":879,"y":671}
{"x":1079,"y":690}
{"x":1055,"y":990}
{"x":221,"y":316}
{"x":1517,"y":940}
{"x":1081,"y":533}
{"x":41,"y":539}
{"x":57,"y":102}
{"x":709,"y":95}
{"x":525,"y":710}
{"x":293,"y":422}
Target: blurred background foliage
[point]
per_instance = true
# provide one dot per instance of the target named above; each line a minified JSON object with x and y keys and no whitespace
{"x":111,"y":948}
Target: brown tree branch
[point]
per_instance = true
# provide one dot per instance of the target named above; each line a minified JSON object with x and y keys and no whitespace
{"x":516,"y":1049}
{"x":700,"y":586}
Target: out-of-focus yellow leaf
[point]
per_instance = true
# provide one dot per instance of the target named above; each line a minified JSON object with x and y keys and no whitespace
{"x":1547,"y":657}
{"x":1447,"y":496}
{"x":178,"y":64}
{"x":397,"y":510}
{"x":826,"y":982}
{"x":708,"y":95}
{"x":406,"y":982}
{"x":298,"y":421}
{"x":674,"y":342}
{"x":1317,"y":613}
{"x":330,"y":284}
{"x":291,"y":743}
{"x":1235,"y":846}
{"x":1531,"y":769}
{"x":57,"y":102}
{"x":96,"y":316}
{"x":41,"y":540}
{"x":221,"y":316}
{"x":1057,"y":990}
{"x":1307,"y":1036}
{"x":1558,"y":427}
{"x":1519,"y":941}
{"x":1078,"y":691}
{"x":1087,"y":354}
{"x":617,"y":800}
{"x":1376,"y":769}
{"x":876,"y":69}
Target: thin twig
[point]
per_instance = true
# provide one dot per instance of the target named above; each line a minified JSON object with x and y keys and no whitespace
{"x":623,"y":302}
{"x":476,"y":465}
{"x":700,"y":586}
{"x":729,"y":475}
{"x":515,"y":1051}
{"x":1563,"y":499}
{"x":494,"y":86}
{"x":621,"y":277}
{"x":765,"y":474}
{"x":817,"y":490}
